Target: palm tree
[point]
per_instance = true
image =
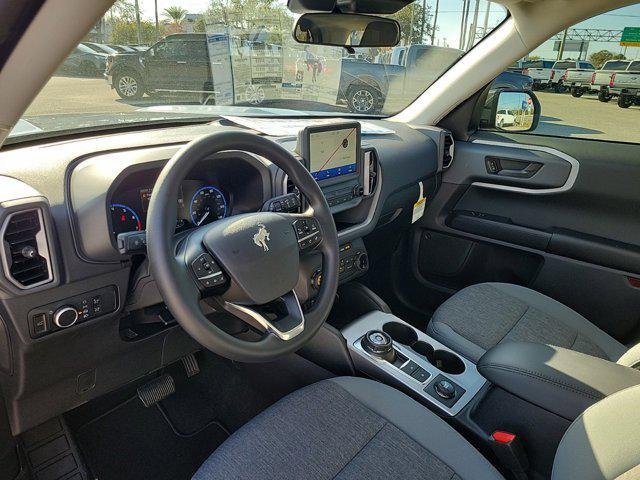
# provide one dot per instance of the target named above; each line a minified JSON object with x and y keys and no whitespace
{"x":176,"y":14}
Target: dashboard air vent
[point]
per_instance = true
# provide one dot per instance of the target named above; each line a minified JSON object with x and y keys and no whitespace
{"x":371,"y":172}
{"x":447,"y":157}
{"x":26,"y":258}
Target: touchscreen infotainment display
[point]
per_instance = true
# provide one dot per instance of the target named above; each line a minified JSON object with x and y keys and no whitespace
{"x":333,"y":153}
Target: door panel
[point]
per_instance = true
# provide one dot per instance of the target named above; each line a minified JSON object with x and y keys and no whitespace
{"x":571,"y":230}
{"x":490,"y":164}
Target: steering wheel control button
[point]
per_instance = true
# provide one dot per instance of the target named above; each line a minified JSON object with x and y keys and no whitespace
{"x":289,"y":203}
{"x":379,"y":344}
{"x":65,"y":316}
{"x":445,"y":389}
{"x":207,"y":271}
{"x":307,"y":232}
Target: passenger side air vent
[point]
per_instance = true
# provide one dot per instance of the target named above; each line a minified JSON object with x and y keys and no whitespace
{"x":447,"y":156}
{"x":370,"y":172}
{"x":26,"y":259}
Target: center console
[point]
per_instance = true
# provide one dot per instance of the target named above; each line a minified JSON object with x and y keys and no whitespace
{"x":386,"y":348}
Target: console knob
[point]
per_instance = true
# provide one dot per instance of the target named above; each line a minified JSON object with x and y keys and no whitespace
{"x":379,"y":344}
{"x":445,"y":389}
{"x":65,"y":316}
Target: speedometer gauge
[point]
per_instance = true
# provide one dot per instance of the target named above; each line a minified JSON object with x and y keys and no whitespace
{"x":124,"y":219}
{"x":207,"y":204}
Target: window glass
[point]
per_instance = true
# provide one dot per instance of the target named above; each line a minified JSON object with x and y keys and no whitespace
{"x":601,"y":104}
{"x":617,"y":65}
{"x":255,"y":67}
{"x":538,"y":64}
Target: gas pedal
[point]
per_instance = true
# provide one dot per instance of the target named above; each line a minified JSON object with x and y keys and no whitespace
{"x":190,"y":364}
{"x":156,"y":390}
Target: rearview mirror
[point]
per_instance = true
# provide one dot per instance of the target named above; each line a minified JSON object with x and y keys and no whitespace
{"x":516,"y":111}
{"x":346,"y":30}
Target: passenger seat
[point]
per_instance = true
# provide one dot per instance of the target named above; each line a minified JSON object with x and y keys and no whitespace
{"x":483,"y":315}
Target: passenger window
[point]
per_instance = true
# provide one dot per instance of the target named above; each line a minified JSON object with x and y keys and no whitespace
{"x":586,"y":79}
{"x":173,"y":50}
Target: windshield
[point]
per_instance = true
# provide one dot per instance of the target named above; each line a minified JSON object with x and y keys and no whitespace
{"x":194,"y":60}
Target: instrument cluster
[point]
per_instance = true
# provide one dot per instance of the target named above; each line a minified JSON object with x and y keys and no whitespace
{"x":199,"y":202}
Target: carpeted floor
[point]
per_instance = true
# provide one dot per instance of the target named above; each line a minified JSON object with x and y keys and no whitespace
{"x":120,"y":439}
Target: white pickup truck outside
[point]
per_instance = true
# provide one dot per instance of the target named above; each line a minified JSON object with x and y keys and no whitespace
{"x":559,"y":71}
{"x":578,"y":80}
{"x":626,"y":85}
{"x":601,"y":79}
{"x":539,"y":71}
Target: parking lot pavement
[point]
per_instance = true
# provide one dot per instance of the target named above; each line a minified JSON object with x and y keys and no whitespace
{"x":562,"y":115}
{"x":586,"y":117}
{"x":76,"y":95}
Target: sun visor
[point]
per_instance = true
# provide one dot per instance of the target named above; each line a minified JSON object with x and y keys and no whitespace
{"x":379,"y":7}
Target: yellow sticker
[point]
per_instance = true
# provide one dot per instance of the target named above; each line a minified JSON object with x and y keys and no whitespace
{"x":419,"y":206}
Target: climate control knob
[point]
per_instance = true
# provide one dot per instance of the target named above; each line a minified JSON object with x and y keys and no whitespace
{"x":65,"y":316}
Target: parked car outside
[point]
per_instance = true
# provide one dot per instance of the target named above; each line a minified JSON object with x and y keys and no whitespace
{"x":626,"y":85}
{"x":558,"y":81}
{"x":601,"y":79}
{"x":578,"y":80}
{"x":504,"y":118}
{"x":177,"y":63}
{"x":539,"y":71}
{"x":122,"y":48}
{"x":84,"y":61}
{"x":100,"y":48}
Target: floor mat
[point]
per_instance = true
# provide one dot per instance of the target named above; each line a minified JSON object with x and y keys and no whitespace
{"x":120,"y":439}
{"x":132,"y":442}
{"x":231,"y":392}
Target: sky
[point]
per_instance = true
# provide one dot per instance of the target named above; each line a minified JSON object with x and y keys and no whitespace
{"x":449,"y":22}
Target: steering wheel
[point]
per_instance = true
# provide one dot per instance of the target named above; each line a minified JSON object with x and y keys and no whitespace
{"x":244,"y":262}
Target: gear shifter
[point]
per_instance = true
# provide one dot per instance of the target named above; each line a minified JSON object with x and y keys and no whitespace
{"x":379,"y":344}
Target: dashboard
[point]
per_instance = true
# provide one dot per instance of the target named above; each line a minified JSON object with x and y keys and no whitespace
{"x":84,"y":192}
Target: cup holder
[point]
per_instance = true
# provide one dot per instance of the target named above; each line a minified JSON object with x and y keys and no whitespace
{"x":447,"y":362}
{"x":400,"y":333}
{"x":424,"y":349}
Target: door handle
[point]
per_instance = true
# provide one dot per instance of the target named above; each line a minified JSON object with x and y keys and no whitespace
{"x":507,"y":167}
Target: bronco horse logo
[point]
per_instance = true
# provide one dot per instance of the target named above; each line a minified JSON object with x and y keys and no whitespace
{"x":261,"y":238}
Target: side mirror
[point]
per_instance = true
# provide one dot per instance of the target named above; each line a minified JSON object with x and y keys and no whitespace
{"x":515,"y":111}
{"x":346,"y":30}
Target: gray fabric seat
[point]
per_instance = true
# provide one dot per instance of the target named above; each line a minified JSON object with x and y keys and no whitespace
{"x":484,"y":315}
{"x":346,"y":428}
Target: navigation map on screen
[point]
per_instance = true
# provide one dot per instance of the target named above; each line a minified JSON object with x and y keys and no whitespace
{"x":333,"y":153}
